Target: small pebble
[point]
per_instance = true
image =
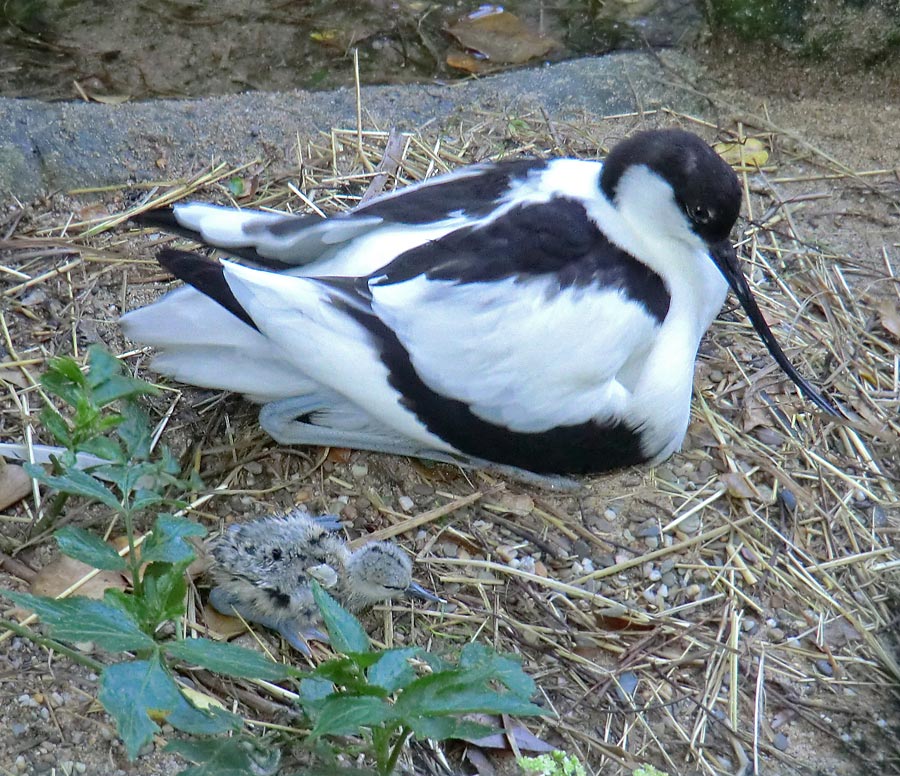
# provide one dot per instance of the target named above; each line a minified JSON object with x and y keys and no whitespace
{"x":628,"y":682}
{"x":406,"y":503}
{"x":653,"y":575}
{"x":610,"y":514}
{"x":788,"y":500}
{"x":749,"y":625}
{"x":667,"y":565}
{"x":652,"y":542}
{"x":663,"y":591}
{"x":780,"y":742}
{"x":670,"y":579}
{"x":21,"y":764}
{"x":824,"y":668}
{"x":359,"y":470}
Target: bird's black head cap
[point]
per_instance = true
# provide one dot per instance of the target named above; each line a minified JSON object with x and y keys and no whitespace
{"x":705,"y":186}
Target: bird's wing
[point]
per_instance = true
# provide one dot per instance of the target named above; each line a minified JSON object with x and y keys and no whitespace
{"x":362,"y":240}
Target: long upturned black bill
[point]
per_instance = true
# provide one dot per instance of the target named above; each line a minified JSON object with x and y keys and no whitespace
{"x":726,"y":260}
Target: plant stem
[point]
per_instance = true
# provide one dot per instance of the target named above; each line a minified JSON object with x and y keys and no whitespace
{"x":48,"y":643}
{"x":137,"y":584}
{"x":398,"y":748}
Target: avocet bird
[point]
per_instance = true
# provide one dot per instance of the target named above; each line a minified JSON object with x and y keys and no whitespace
{"x":542,"y":315}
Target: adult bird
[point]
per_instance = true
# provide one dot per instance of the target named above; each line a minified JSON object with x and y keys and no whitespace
{"x":543,"y":315}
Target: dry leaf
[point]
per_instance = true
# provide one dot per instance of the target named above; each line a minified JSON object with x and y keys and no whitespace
{"x":501,"y":37}
{"x":460,"y":60}
{"x":13,"y":377}
{"x":221,"y":624}
{"x":64,"y":572}
{"x":745,"y":155}
{"x":737,"y":484}
{"x":890,"y":317}
{"x":15,"y":484}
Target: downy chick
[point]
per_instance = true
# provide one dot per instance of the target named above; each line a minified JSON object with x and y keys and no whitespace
{"x":263,"y":569}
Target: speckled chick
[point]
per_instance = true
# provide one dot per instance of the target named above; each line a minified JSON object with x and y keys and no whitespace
{"x":263,"y":571}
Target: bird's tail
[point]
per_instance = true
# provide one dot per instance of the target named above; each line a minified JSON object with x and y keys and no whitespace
{"x":197,"y":341}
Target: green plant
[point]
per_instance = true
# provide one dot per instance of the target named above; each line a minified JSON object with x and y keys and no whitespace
{"x":379,"y":696}
{"x":553,"y":764}
{"x":362,"y":701}
{"x":102,"y":417}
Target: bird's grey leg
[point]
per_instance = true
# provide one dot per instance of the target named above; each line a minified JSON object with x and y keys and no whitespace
{"x":279,"y":420}
{"x":228,"y":604}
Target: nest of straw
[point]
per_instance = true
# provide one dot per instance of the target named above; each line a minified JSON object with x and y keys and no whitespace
{"x":735,"y":606}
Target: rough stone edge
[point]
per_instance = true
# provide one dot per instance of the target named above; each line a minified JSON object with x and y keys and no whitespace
{"x":49,"y":147}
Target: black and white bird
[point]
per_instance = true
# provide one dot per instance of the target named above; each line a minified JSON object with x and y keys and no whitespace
{"x":538,"y":314}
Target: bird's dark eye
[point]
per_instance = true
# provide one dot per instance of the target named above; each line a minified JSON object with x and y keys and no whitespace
{"x":699,"y":214}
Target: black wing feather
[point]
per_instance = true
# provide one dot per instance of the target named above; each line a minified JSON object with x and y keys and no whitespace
{"x":207,"y":276}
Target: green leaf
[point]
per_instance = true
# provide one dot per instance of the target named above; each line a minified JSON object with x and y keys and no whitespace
{"x":442,"y":728}
{"x":314,"y":690}
{"x":342,"y":715}
{"x":167,"y":541}
{"x":393,"y":671}
{"x":164,"y":593}
{"x":343,"y":671}
{"x":444,"y":694}
{"x":139,"y":693}
{"x":77,"y":483}
{"x":502,"y":668}
{"x":84,"y":619}
{"x":103,"y":447}
{"x":89,"y":548}
{"x":346,"y":634}
{"x":134,"y":431}
{"x":229,"y":659}
{"x":56,"y":424}
{"x":232,"y":756}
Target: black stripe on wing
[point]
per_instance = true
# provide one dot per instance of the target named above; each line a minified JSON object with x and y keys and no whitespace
{"x":556,"y":237}
{"x":576,"y":449}
{"x":471,"y":195}
{"x":207,"y":276}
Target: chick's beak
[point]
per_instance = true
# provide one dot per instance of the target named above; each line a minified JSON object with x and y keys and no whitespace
{"x":417,"y":591}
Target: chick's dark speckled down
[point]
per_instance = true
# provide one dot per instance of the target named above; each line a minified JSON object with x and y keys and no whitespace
{"x":263,"y":571}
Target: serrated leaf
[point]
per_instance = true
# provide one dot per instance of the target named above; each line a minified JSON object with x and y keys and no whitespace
{"x":342,"y":671}
{"x":164,"y":592}
{"x":101,"y":365}
{"x":393,"y":670}
{"x":167,"y":542}
{"x":103,"y":447}
{"x":89,"y":548}
{"x":462,"y":699}
{"x":56,"y":425}
{"x":232,"y":756}
{"x":502,"y":668}
{"x":229,"y":659}
{"x":346,"y":634}
{"x":343,"y":715}
{"x":442,"y":728}
{"x":85,"y":619}
{"x":134,"y":431}
{"x":76,"y":483}
{"x":139,"y":693}
{"x":313,"y":689}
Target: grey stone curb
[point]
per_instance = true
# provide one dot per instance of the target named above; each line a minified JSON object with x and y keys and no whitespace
{"x":47,"y":147}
